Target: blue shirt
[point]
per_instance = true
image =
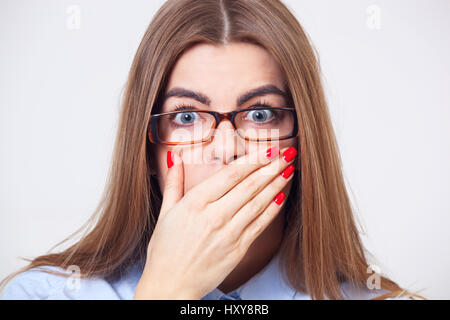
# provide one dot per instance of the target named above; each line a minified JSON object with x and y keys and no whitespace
{"x":266,"y":284}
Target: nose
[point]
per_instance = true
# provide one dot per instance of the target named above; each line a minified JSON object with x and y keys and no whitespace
{"x":226,"y":144}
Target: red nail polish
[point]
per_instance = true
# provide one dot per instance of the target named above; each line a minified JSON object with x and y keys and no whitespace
{"x":169,"y":159}
{"x":289,"y":154}
{"x":288,"y":171}
{"x":279,"y":198}
{"x":272,"y":152}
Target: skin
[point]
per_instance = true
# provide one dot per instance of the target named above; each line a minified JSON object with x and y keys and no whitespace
{"x":223,"y":73}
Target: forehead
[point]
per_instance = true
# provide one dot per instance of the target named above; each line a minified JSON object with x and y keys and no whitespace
{"x":225,"y":70}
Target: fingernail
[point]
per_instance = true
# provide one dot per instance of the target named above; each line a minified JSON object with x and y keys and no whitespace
{"x":169,"y":159}
{"x":288,"y":171}
{"x":289,"y":154}
{"x":272,"y":152}
{"x":279,"y":198}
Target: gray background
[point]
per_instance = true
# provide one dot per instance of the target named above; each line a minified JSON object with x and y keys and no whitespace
{"x":388,"y":93}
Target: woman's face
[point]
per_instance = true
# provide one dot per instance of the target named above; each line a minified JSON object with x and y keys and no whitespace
{"x":222,"y":75}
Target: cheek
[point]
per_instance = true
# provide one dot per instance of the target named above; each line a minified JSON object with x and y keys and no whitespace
{"x":161,"y":164}
{"x":161,"y":158}
{"x":289,"y":143}
{"x":195,"y":174}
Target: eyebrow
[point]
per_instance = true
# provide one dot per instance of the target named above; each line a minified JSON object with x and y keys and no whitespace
{"x":200,"y":97}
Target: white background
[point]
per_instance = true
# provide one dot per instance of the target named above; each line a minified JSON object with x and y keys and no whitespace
{"x":388,"y":93}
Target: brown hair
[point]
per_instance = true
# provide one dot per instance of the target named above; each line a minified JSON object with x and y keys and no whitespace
{"x":321,"y":247}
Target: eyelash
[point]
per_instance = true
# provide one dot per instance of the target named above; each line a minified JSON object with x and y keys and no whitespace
{"x":184,"y":106}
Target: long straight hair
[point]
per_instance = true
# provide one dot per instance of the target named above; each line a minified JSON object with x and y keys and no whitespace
{"x":321,"y":247}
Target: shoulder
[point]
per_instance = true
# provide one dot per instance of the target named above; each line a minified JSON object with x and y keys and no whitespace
{"x":36,"y":284}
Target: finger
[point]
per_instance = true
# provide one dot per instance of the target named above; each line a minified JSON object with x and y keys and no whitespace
{"x":262,"y":221}
{"x":174,"y":183}
{"x":253,"y":209}
{"x":228,"y":176}
{"x":248,"y":188}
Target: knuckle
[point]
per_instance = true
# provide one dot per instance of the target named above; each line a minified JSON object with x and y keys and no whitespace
{"x":238,"y":250}
{"x":233,"y":173}
{"x":252,"y":184}
{"x":190,"y":204}
{"x":214,"y":222}
{"x":258,"y":227}
{"x":232,"y":236}
{"x":255,"y":207}
{"x":170,"y":184}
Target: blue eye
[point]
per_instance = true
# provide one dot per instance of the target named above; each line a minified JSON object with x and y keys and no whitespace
{"x":186,"y":117}
{"x":260,"y":115}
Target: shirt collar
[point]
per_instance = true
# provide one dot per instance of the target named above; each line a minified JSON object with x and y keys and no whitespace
{"x":267,"y":284}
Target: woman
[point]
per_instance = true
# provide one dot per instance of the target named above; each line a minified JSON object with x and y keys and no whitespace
{"x":226,"y":180}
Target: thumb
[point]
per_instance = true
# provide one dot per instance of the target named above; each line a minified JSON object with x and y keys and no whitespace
{"x":174,"y":182}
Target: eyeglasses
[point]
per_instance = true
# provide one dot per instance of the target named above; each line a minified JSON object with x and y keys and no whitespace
{"x":196,"y":126}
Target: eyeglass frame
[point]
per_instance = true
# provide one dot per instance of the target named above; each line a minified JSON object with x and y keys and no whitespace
{"x":219,"y":117}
